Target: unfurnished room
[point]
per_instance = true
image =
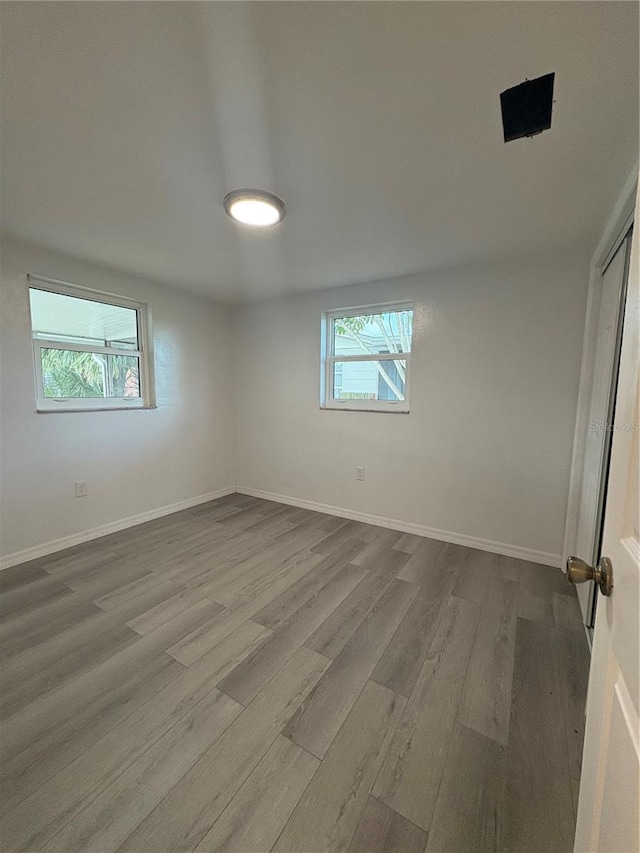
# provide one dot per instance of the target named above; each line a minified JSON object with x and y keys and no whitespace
{"x":319,"y":428}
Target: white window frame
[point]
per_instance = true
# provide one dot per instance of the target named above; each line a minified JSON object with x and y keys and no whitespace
{"x":144,"y":353}
{"x":328,"y":358}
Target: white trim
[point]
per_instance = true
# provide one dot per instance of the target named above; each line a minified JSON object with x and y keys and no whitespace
{"x":51,"y":343}
{"x":374,"y":356}
{"x":113,"y":527}
{"x":144,"y":352}
{"x":83,"y":404}
{"x":328,"y":358}
{"x":357,"y":310}
{"x":61,"y":544}
{"x":79,"y":291}
{"x":503,"y":548}
{"x":349,"y":407}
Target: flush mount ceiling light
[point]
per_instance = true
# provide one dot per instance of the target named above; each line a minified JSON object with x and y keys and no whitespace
{"x":254,"y":207}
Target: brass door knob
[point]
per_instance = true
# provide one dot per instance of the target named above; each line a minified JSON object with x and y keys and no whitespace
{"x":578,"y":572}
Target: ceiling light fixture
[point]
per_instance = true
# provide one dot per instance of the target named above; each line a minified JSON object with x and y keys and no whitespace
{"x":254,"y":207}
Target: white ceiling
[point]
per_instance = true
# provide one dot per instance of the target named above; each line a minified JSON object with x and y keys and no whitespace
{"x":124,"y":124}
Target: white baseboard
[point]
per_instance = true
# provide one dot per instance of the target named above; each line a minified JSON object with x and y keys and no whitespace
{"x":507,"y":550}
{"x":96,"y":532}
{"x":396,"y":524}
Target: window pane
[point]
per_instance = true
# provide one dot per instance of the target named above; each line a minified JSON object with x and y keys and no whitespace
{"x":124,"y":371}
{"x":369,"y":380}
{"x":389,"y":331}
{"x":68,"y":373}
{"x":73,"y":320}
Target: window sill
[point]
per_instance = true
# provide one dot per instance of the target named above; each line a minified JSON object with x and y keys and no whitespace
{"x":389,"y":411}
{"x":101,"y":409}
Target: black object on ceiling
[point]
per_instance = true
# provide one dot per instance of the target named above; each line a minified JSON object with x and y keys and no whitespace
{"x":526,"y":108}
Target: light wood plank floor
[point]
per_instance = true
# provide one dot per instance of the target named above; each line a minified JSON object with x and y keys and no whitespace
{"x":247,"y":676}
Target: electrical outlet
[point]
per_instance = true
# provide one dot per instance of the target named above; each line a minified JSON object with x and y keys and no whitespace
{"x":359,"y":473}
{"x":81,"y":489}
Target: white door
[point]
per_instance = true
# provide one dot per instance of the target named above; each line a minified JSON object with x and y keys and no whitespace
{"x":609,"y":804}
{"x":597,"y":440}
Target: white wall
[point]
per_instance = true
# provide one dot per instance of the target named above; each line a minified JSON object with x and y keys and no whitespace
{"x":485,"y":453}
{"x":133,"y":461}
{"x":483,"y":457}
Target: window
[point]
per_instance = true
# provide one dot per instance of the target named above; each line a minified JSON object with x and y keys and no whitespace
{"x":366,"y":357}
{"x":89,"y":349}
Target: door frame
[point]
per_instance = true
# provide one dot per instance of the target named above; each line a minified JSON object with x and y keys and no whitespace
{"x":617,"y":227}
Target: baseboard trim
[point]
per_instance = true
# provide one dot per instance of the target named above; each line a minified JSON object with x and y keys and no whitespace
{"x":507,"y":550}
{"x":54,"y":545}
